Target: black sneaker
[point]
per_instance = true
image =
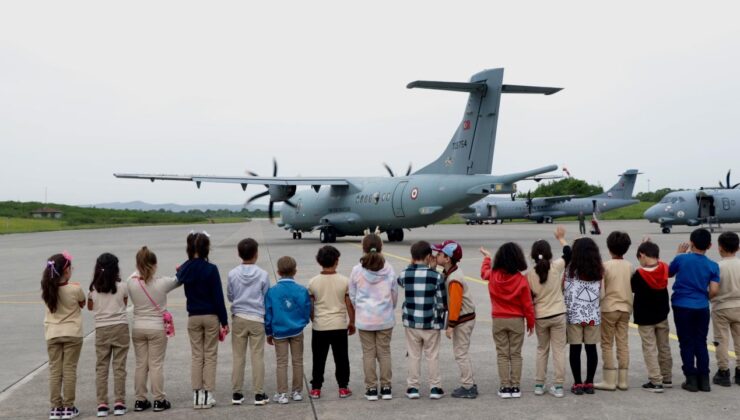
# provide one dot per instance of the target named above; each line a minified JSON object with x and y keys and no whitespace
{"x":261,"y":399}
{"x":371,"y":394}
{"x":504,"y":392}
{"x":70,"y":413}
{"x":436,"y":393}
{"x":516,"y":392}
{"x":386,"y":393}
{"x":737,"y":376}
{"x":412,"y":393}
{"x":651,"y":387}
{"x":142,"y":405}
{"x":119,"y":409}
{"x":162,"y":405}
{"x":722,"y":378}
{"x":237,"y":398}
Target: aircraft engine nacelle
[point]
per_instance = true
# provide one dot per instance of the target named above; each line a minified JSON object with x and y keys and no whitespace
{"x":281,"y":192}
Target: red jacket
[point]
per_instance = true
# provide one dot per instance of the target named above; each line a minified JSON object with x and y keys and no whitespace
{"x":510,"y":293}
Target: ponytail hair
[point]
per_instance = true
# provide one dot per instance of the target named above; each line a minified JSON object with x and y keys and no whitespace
{"x":541,"y":254}
{"x":201,"y":245}
{"x":106,"y":274}
{"x":190,"y":247}
{"x":146,"y":262}
{"x":372,"y":246}
{"x":51,"y":278}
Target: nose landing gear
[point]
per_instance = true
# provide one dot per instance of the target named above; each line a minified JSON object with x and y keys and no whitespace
{"x":665,"y":229}
{"x":297,"y":235}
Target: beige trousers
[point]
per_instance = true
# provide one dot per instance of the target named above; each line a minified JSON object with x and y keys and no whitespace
{"x":508,"y":334}
{"x":615,"y":325}
{"x":64,"y":353}
{"x":656,"y":350}
{"x":295,"y":346}
{"x":726,"y":323}
{"x":376,"y":346}
{"x":150,"y":347}
{"x":245,"y":332}
{"x":111,"y":345}
{"x":460,"y":347}
{"x":203,"y":331}
{"x":551,"y":335}
{"x":426,"y":341}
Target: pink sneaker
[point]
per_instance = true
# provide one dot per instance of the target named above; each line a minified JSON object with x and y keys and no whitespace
{"x":344,"y":392}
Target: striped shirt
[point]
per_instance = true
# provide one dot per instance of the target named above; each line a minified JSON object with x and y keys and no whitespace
{"x":425,"y":295}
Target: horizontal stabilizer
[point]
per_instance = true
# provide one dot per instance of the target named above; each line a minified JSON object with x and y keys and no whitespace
{"x":529,"y":89}
{"x":455,"y":86}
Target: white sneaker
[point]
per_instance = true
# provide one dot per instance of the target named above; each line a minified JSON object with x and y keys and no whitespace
{"x":556,"y":391}
{"x":197,"y":399}
{"x":297,"y":396}
{"x":539,"y":390}
{"x":281,"y":398}
{"x":208,"y":400}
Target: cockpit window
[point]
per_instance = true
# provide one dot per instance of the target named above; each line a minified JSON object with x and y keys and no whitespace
{"x":667,"y":200}
{"x":681,"y":200}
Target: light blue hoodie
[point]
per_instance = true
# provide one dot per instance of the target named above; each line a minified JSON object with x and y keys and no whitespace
{"x":248,"y":285}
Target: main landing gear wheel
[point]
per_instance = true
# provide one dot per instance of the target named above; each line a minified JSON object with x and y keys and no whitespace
{"x":666,"y":229}
{"x":327,"y":235}
{"x":297,"y":235}
{"x":395,"y":235}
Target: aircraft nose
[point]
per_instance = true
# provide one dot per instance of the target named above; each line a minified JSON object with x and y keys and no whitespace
{"x":651,"y":213}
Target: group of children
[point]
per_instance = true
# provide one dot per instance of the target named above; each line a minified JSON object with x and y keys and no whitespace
{"x":575,"y":299}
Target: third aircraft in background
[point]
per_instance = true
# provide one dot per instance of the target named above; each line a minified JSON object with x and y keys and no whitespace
{"x":545,"y":209}
{"x":710,"y":206}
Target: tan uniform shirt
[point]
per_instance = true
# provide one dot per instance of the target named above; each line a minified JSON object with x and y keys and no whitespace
{"x":729,"y":285}
{"x":548,"y":297}
{"x":617,"y":286}
{"x":329,"y":309}
{"x":109,"y":308}
{"x":67,"y":320}
{"x":146,"y":315}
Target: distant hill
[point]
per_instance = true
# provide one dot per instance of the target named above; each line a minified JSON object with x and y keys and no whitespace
{"x":177,"y":208}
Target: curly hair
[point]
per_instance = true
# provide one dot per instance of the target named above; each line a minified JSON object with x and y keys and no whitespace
{"x":586,"y":261}
{"x":510,"y":258}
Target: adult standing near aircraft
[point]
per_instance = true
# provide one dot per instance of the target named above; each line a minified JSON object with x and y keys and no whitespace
{"x":581,"y":222}
{"x":347,"y":206}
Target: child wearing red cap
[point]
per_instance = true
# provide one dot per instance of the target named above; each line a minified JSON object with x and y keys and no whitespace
{"x":460,"y":315}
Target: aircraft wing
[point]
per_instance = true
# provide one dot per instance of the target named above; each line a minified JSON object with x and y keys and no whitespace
{"x":242,"y":180}
{"x":556,"y":199}
{"x":539,"y":178}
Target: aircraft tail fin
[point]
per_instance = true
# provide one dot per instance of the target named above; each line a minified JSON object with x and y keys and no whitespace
{"x":471,"y":149}
{"x":624,"y":187}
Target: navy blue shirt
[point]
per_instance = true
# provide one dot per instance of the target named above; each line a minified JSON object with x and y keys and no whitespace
{"x":693,"y":273}
{"x":203,"y":290}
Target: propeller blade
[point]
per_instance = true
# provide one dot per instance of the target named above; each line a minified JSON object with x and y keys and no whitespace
{"x":274,"y":167}
{"x":408,"y":171}
{"x":721,"y":185}
{"x":250,"y":173}
{"x":260,"y":195}
{"x":388,"y":168}
{"x":290,"y":204}
{"x":728,"y":178}
{"x":269,"y":212}
{"x":736,"y":185}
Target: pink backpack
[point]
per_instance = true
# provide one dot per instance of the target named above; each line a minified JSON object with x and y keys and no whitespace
{"x":169,"y":323}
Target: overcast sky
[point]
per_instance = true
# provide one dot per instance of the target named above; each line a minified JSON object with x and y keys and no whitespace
{"x":92,"y":88}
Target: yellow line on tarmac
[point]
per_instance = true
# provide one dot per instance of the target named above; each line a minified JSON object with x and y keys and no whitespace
{"x":672,"y":336}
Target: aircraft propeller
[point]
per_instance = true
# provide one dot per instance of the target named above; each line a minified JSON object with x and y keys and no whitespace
{"x":727,"y":185}
{"x":390,"y":171}
{"x":271,"y":192}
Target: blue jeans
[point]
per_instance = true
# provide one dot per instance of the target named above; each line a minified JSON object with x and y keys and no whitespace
{"x":692,"y":327}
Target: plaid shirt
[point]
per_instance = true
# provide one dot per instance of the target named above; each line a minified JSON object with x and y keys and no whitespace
{"x":425,"y":300}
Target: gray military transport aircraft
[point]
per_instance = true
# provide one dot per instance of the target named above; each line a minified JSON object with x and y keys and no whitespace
{"x":706,"y":206}
{"x":347,"y":206}
{"x":545,"y":209}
